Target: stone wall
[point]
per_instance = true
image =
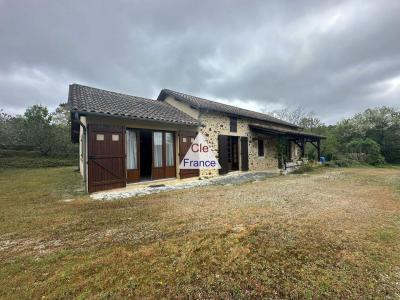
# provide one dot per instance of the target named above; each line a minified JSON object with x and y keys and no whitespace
{"x":214,"y":124}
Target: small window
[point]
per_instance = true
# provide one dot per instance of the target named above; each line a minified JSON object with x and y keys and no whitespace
{"x":184,"y":140}
{"x":233,"y":124}
{"x":260,"y":147}
{"x":191,"y":140}
{"x":115,"y":137}
{"x":99,"y":137}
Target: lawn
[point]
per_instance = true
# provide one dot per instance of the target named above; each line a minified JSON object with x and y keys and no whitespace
{"x":333,"y":233}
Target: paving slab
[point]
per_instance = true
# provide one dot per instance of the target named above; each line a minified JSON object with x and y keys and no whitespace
{"x":229,"y":179}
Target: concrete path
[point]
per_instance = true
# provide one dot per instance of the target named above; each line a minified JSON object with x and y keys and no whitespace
{"x":229,"y":179}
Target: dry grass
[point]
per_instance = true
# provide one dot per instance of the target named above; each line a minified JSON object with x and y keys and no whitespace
{"x":332,"y":234}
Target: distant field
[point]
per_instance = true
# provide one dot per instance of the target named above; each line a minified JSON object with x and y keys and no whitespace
{"x":334,"y":233}
{"x":32,"y":159}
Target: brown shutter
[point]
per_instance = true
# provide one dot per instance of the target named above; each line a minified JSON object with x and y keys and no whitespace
{"x":223,"y":153}
{"x":106,"y":157}
{"x":233,"y":124}
{"x":244,"y":153}
{"x":185,"y":141}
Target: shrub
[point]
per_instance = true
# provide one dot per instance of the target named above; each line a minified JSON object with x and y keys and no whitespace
{"x":33,"y":159}
{"x":365,"y":151}
{"x":343,"y":163}
{"x":303,"y":169}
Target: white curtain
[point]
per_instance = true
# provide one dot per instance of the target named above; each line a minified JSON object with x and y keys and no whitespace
{"x":131,"y":150}
{"x":169,"y":146}
{"x":157,"y":146}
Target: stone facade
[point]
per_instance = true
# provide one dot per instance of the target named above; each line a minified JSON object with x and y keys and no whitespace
{"x":215,"y":124}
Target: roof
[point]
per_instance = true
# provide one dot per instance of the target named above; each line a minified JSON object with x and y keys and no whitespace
{"x":284,"y":131}
{"x":87,"y":99}
{"x":204,"y":104}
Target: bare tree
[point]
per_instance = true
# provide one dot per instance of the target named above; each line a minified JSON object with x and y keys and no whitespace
{"x":298,"y":116}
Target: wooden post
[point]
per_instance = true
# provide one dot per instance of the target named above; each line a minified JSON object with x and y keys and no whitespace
{"x":302,"y":148}
{"x":319,"y":149}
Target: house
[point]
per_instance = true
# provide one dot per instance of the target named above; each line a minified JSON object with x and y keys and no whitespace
{"x":125,"y":139}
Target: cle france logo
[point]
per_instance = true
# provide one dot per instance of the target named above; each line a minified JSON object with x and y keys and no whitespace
{"x":199,"y":156}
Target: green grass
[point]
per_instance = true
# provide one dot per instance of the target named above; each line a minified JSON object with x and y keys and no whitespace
{"x":32,"y":159}
{"x":332,"y":234}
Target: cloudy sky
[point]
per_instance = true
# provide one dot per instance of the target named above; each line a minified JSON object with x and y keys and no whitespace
{"x":335,"y":58}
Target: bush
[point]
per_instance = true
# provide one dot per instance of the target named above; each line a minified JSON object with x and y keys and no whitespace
{"x":303,"y":169}
{"x":365,"y":151}
{"x":32,"y":159}
{"x":343,"y":163}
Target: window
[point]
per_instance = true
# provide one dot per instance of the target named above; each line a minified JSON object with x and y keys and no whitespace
{"x":157,"y":149}
{"x":115,"y":137}
{"x":131,"y":149}
{"x":233,"y":124}
{"x":169,"y":147}
{"x":99,"y":137}
{"x":260,"y":147}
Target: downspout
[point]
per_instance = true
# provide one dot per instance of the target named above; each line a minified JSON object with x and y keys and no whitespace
{"x":84,"y":149}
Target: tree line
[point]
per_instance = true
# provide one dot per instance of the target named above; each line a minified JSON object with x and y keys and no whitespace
{"x":370,"y":137}
{"x":39,"y":130}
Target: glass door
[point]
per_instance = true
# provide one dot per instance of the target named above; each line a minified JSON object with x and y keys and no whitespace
{"x":132,"y":161}
{"x":158,"y":155}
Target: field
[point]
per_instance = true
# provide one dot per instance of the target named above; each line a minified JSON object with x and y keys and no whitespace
{"x":333,"y":233}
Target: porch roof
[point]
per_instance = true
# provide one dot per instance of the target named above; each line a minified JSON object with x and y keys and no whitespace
{"x":286,"y":132}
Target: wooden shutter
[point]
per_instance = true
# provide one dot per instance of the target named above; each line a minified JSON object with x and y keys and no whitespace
{"x":233,"y":124}
{"x":185,"y":141}
{"x":106,"y":157}
{"x":244,"y":153}
{"x":223,"y":153}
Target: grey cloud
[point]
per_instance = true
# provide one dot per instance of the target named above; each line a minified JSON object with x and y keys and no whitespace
{"x":330,"y":57}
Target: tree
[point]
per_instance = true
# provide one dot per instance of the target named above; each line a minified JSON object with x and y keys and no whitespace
{"x":381,"y":124}
{"x":61,"y":123}
{"x":11,"y":128}
{"x":61,"y":116}
{"x":365,"y":150}
{"x":38,"y":128}
{"x":298,"y":117}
